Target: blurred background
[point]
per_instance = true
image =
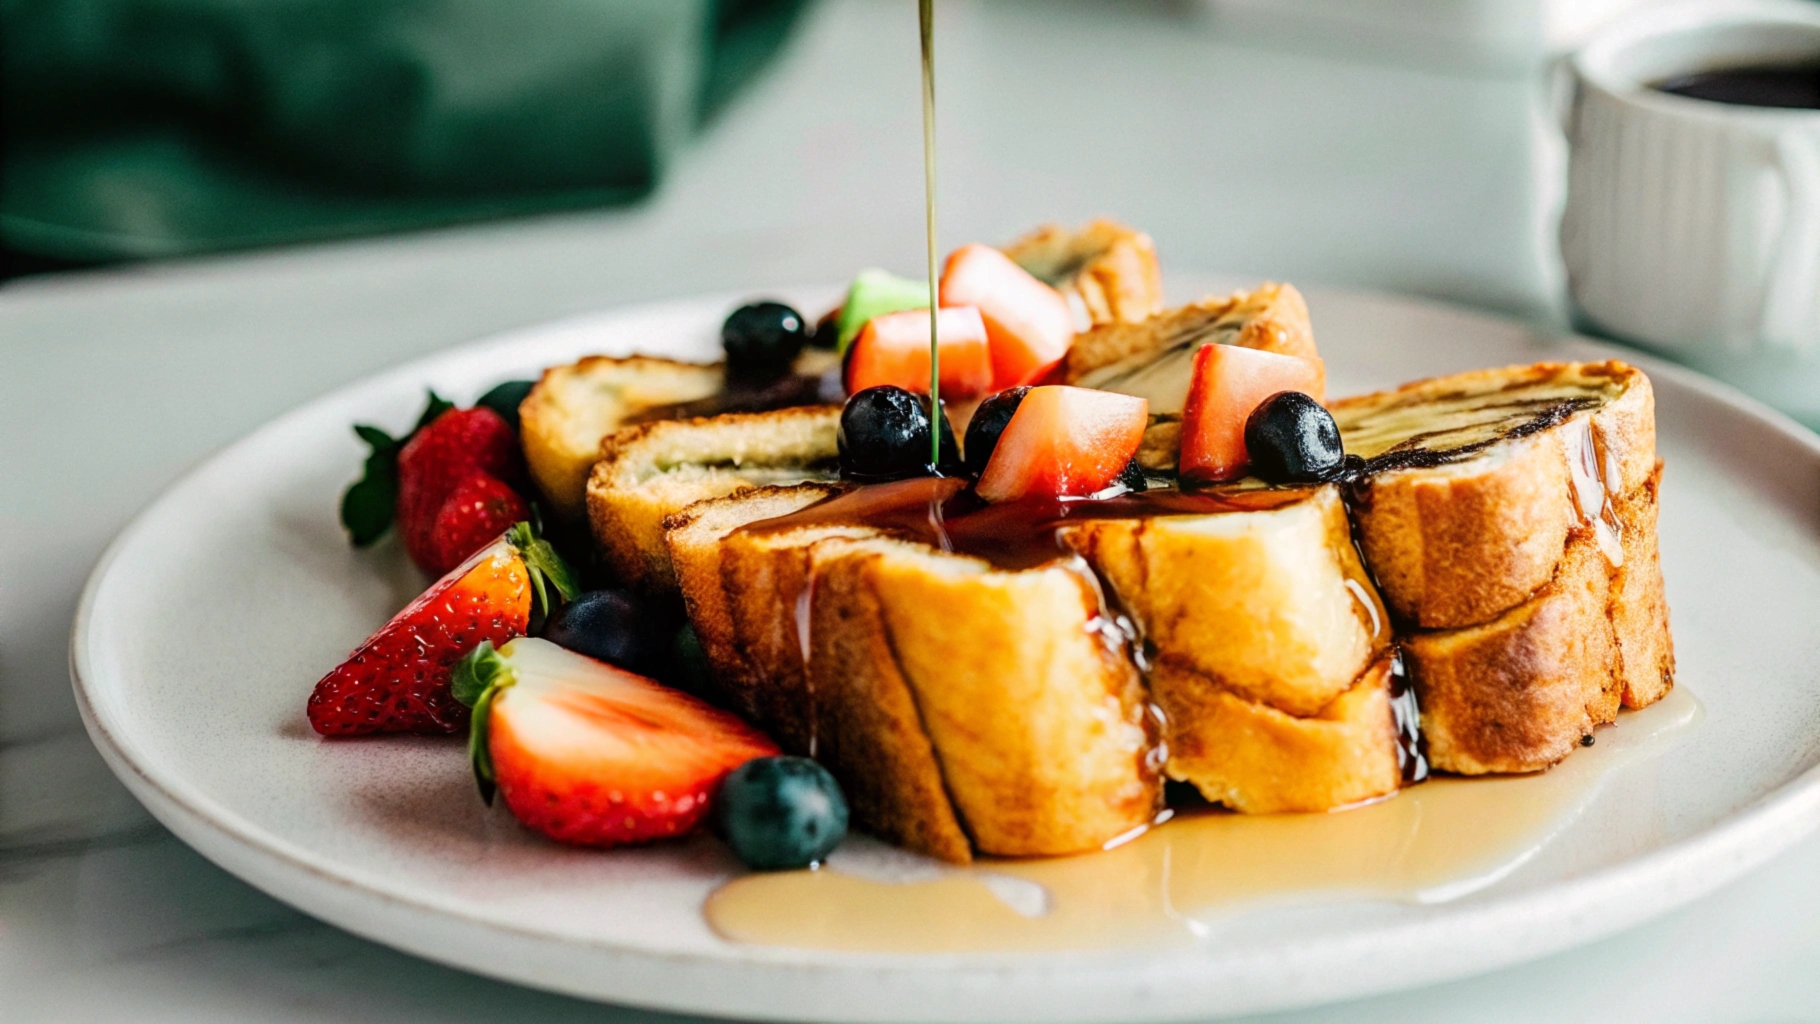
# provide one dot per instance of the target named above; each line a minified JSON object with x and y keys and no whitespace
{"x":1393,"y":143}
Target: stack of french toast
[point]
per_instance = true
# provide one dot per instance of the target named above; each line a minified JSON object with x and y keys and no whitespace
{"x":1474,"y":593}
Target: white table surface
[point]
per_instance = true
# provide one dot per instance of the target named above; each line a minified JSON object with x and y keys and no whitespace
{"x":1237,"y":158}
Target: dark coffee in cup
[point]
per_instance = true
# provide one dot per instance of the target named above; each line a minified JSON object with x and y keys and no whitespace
{"x":1763,"y":85}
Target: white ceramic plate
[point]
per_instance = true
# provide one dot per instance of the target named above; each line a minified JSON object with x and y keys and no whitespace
{"x":208,"y":621}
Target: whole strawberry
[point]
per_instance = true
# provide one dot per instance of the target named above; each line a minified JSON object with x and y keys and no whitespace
{"x":437,"y":460}
{"x":398,"y":680}
{"x":473,"y":515}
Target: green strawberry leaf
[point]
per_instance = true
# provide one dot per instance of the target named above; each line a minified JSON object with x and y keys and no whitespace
{"x":368,"y":506}
{"x":548,"y":572}
{"x":505,"y":399}
{"x":477,"y":682}
{"x":370,"y":503}
{"x":376,"y":438}
{"x":436,"y":407}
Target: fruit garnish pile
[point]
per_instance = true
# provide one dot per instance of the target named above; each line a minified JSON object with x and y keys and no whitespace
{"x":552,"y":685}
{"x":584,"y":709}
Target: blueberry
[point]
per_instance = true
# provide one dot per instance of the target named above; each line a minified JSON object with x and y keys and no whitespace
{"x":988,"y":423}
{"x":781,"y":812}
{"x":762,"y":339}
{"x":884,"y":435}
{"x":505,"y":399}
{"x":691,"y":672}
{"x":1132,"y":478}
{"x":827,"y":331}
{"x":1292,"y":439}
{"x":615,"y":627}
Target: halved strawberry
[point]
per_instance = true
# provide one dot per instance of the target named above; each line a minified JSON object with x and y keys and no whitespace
{"x":474,"y":514}
{"x":1028,"y":322}
{"x":1227,"y":383}
{"x":398,"y":680}
{"x":453,"y":447}
{"x":1064,"y":442}
{"x":894,"y":349}
{"x":591,"y":754}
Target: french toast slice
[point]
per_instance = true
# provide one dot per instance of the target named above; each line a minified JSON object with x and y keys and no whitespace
{"x":1518,"y":693}
{"x":1008,"y":665}
{"x":1509,"y":517}
{"x":1258,"y":759}
{"x":649,"y":471}
{"x":1474,"y":482}
{"x":1106,"y":271}
{"x":864,"y":724}
{"x":694,"y":538}
{"x":572,"y":407}
{"x":1152,"y":358}
{"x":1041,"y":726}
{"x":840,"y":631}
{"x":1270,"y":604}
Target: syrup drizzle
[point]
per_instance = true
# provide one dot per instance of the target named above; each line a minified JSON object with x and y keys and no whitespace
{"x":805,"y":604}
{"x":1593,"y":468}
{"x":1204,"y":878}
{"x":1412,"y":757}
{"x":944,"y":513}
{"x":926,"y":26}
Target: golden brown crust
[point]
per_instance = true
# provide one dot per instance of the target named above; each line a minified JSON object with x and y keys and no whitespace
{"x":1450,"y":550}
{"x":694,"y":537}
{"x":1110,"y":270}
{"x":1005,"y":670}
{"x":1516,"y":694}
{"x":884,"y":621}
{"x":764,"y":576}
{"x":1273,"y":606}
{"x":1460,"y":543}
{"x":1257,"y":759}
{"x":571,"y":408}
{"x":868,"y":731}
{"x":1273,"y":318}
{"x":650,"y":471}
{"x":1040,"y":727}
{"x":1639,"y":605}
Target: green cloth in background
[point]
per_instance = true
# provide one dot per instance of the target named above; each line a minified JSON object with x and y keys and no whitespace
{"x":144,"y":128}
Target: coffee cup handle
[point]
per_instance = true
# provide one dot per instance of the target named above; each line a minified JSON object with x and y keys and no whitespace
{"x":1789,"y":317}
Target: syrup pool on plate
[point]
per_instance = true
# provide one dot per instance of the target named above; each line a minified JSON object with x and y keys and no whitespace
{"x":1173,"y":884}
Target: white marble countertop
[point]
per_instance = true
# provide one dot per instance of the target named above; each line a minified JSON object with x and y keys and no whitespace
{"x":1237,"y":158}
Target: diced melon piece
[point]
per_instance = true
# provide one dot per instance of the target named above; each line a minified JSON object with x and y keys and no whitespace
{"x":874,"y":293}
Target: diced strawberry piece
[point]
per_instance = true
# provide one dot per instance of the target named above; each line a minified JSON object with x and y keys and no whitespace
{"x":455,"y":446}
{"x":894,"y":349}
{"x":398,"y":680}
{"x":587,"y":753}
{"x":1063,"y":442}
{"x":474,"y":514}
{"x":1028,"y":322}
{"x":1226,"y":385}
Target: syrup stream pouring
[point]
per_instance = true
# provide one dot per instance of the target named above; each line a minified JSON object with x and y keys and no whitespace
{"x":926,"y":19}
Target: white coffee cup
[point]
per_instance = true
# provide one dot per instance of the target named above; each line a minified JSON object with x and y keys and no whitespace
{"x":1693,"y":227}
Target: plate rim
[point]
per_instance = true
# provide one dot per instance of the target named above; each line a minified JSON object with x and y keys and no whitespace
{"x":1168,"y":986}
